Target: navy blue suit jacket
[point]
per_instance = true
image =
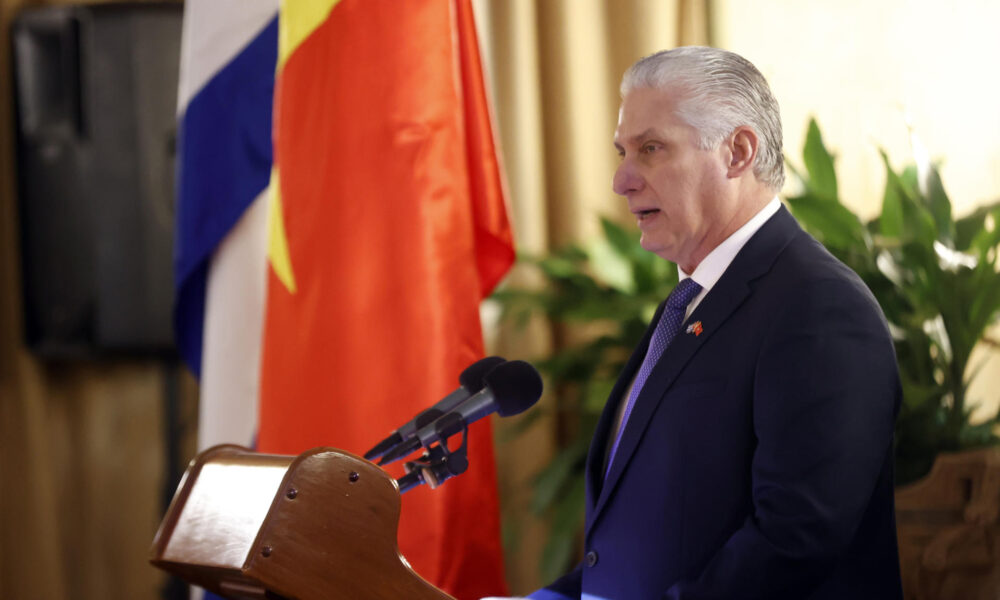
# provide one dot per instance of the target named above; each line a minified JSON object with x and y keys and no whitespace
{"x":757,"y":461}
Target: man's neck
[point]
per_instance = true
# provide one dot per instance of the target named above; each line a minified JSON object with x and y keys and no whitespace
{"x":719,"y":259}
{"x":752,"y":202}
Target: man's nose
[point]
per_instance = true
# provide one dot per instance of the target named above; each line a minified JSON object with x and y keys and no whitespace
{"x":626,"y":179}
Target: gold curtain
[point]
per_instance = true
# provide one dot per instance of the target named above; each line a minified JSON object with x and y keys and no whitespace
{"x":554,"y":67}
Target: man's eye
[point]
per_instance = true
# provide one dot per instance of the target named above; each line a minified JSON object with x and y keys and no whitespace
{"x":648,"y":148}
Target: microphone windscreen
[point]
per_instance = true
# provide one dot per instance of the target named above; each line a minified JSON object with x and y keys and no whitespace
{"x":472,"y":377}
{"x":516,"y":386}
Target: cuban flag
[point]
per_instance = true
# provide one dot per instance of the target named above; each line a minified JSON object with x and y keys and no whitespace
{"x":225,"y":100}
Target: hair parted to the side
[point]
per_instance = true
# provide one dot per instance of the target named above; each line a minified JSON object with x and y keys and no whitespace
{"x":720,"y":91}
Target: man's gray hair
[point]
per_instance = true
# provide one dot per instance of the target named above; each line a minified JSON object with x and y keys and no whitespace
{"x":721,"y":91}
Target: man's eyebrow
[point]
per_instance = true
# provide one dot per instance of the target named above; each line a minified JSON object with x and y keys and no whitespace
{"x":639,"y":137}
{"x":651,"y":132}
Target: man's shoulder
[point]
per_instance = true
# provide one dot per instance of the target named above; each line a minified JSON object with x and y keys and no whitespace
{"x":806,"y":269}
{"x":784,"y":260}
{"x":808,"y":257}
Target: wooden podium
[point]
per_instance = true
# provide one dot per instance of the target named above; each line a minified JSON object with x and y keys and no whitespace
{"x":319,"y":525}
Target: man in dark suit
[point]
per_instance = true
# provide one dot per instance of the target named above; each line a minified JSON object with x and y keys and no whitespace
{"x":746,"y":450}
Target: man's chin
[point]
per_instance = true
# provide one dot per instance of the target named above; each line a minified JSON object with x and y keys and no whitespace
{"x":658,"y":248}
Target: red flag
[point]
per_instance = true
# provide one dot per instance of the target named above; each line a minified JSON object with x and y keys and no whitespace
{"x":390,"y":230}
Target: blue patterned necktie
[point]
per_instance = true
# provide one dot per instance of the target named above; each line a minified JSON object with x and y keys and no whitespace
{"x":670,"y":323}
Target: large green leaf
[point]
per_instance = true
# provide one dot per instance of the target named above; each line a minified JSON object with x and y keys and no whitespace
{"x":612,"y":268}
{"x":891,"y":220}
{"x":916,"y":223}
{"x":653,"y":275}
{"x":558,"y":267}
{"x":831,"y":223}
{"x":984,"y":309}
{"x":819,"y":165}
{"x":980,"y":231}
{"x":626,"y":244}
{"x":916,"y":395}
{"x":938,"y":203}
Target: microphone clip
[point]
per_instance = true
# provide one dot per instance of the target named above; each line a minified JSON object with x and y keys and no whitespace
{"x":438,"y":463}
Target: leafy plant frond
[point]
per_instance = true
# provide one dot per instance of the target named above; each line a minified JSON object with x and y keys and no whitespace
{"x":935,"y":278}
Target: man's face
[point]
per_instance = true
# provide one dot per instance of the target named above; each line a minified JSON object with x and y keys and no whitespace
{"x":678,"y":193}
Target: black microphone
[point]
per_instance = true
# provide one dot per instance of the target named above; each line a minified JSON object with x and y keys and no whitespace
{"x":511,"y":388}
{"x":470,"y":382}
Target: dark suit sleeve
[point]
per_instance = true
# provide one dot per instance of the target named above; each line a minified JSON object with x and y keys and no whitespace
{"x":825,"y":394}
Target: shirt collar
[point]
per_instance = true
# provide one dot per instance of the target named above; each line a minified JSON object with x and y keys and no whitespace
{"x":711,"y":268}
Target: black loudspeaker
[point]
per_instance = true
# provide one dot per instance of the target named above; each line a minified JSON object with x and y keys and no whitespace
{"x":95,"y":96}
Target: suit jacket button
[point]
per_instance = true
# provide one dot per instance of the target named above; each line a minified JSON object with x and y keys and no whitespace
{"x":591,"y":558}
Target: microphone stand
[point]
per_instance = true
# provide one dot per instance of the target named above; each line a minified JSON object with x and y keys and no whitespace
{"x":437,"y":464}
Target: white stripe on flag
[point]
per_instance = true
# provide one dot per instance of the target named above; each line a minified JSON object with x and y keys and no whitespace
{"x":234,"y":320}
{"x":214,"y":32}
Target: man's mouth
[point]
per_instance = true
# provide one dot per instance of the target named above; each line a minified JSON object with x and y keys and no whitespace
{"x":642,"y":215}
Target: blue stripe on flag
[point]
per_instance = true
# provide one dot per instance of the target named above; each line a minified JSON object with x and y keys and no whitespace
{"x":224,"y":162}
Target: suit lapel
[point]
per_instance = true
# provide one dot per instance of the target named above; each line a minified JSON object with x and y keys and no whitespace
{"x":732,"y":289}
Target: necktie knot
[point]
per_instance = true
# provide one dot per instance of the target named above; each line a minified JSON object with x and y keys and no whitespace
{"x":683,"y":294}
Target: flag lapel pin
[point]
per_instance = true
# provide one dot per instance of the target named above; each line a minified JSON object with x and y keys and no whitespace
{"x":695,"y":328}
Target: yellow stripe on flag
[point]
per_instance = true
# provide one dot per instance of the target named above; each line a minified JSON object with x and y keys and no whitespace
{"x":277,"y":241}
{"x":297,"y":21}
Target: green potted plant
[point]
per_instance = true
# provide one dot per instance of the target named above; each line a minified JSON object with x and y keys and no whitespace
{"x":935,"y":277}
{"x":936,"y":280}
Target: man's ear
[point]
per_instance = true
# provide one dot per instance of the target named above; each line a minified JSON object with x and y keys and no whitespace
{"x":742,"y":145}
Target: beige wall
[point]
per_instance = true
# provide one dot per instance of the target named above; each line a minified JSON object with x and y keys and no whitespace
{"x":864,"y":69}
